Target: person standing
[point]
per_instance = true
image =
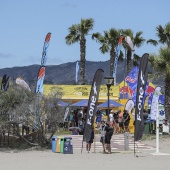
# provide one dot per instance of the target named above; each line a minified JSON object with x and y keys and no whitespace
{"x":98,"y":118}
{"x":108,"y":135}
{"x":120,"y":120}
{"x":126,"y":120}
{"x":111,"y":119}
{"x":102,"y":134}
{"x":116,"y":123}
{"x":88,"y":143}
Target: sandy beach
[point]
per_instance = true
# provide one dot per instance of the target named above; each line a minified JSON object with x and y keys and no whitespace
{"x":43,"y":160}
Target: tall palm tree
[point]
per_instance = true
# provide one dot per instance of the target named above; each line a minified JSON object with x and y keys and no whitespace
{"x":163,"y":34}
{"x":161,"y":65}
{"x":108,"y":44}
{"x":77,"y":33}
{"x":138,"y":41}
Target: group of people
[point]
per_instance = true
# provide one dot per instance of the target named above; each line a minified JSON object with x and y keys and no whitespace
{"x":120,"y":121}
{"x":106,"y":130}
{"x":117,"y":120}
{"x":77,"y":118}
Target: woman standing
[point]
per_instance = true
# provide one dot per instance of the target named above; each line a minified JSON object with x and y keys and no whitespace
{"x":108,"y":135}
{"x":102,"y":135}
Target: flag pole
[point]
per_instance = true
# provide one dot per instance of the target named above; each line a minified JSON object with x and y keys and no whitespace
{"x":157,"y":128}
{"x":134,"y":139}
{"x":124,"y":75}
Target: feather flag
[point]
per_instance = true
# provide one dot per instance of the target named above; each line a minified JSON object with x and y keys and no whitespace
{"x":5,"y":83}
{"x":130,"y":43}
{"x":141,"y":87}
{"x":118,"y":48}
{"x":41,"y":75}
{"x":155,"y":99}
{"x":77,"y":71}
{"x":92,"y":104}
{"x":129,"y":105}
{"x":22,"y":83}
{"x":45,"y":47}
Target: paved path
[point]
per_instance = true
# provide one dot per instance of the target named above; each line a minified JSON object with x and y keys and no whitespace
{"x":117,"y":143}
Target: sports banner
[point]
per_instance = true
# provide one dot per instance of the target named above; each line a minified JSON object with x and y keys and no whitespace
{"x":5,"y":83}
{"x":77,"y":71}
{"x":142,"y":80}
{"x":22,"y":83}
{"x":92,"y":104}
{"x":118,"y":48}
{"x":41,"y":75}
{"x":155,"y":102}
{"x":45,"y":47}
{"x":130,"y":43}
{"x":66,"y":113}
{"x":129,"y":105}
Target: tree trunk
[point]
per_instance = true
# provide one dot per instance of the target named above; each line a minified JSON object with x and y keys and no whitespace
{"x":112,"y":59}
{"x":167,"y":99}
{"x":82,"y":59}
{"x":129,"y":53}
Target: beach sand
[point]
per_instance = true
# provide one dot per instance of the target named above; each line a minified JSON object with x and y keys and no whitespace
{"x":47,"y":160}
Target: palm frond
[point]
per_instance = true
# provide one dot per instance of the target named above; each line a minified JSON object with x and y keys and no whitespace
{"x":153,"y":42}
{"x":161,"y":34}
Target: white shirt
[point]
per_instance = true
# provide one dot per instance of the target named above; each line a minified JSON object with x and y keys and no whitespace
{"x":111,"y":117}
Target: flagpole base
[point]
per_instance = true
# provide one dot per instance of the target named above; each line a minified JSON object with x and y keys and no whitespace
{"x":160,"y":154}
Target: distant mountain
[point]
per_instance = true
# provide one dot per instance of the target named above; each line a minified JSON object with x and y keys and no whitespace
{"x":63,"y":73}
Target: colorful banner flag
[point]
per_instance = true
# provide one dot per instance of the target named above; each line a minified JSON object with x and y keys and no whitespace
{"x":66,"y":113}
{"x":41,"y":75}
{"x":118,"y":48}
{"x":5,"y":83}
{"x":92,"y":104}
{"x":131,"y":80}
{"x":142,"y":80}
{"x":129,"y":105}
{"x":130,"y":43}
{"x":155,"y":99}
{"x":22,"y":83}
{"x":45,"y":47}
{"x":77,"y":71}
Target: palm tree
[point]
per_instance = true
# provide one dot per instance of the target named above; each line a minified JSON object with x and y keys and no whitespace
{"x":108,"y":44}
{"x":161,"y":64}
{"x":163,"y":34}
{"x":137,"y":40}
{"x":77,"y":33}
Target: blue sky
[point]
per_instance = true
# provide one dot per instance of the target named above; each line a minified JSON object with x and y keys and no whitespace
{"x":25,"y":23}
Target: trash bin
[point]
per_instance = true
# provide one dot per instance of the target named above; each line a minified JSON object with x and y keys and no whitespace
{"x":68,"y":146}
{"x":58,"y":145}
{"x":54,"y":143}
{"x":152,"y":127}
{"x":126,"y":141}
{"x":61,"y":144}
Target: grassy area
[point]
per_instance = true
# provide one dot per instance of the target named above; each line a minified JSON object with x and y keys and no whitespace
{"x":63,"y":131}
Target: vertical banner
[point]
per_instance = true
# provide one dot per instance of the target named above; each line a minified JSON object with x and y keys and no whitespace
{"x":154,"y":102}
{"x":77,"y":71}
{"x":5,"y":83}
{"x":66,"y":113}
{"x":92,"y":104}
{"x":129,"y":105}
{"x":118,"y":48}
{"x":41,"y":75}
{"x":45,"y":47}
{"x":130,"y":43}
{"x":22,"y":83}
{"x":142,"y":80}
